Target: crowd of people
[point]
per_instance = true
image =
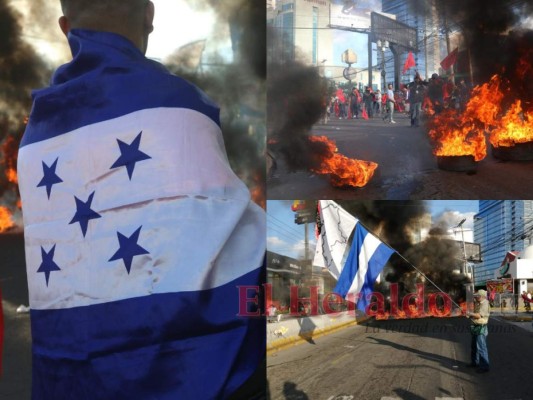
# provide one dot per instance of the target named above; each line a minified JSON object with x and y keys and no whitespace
{"x":420,"y":96}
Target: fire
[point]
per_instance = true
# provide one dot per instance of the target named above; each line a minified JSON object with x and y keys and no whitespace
{"x":5,"y":219}
{"x":343,"y":171}
{"x":516,"y":127}
{"x":487,"y":111}
{"x":457,"y":137}
{"x":11,"y":175}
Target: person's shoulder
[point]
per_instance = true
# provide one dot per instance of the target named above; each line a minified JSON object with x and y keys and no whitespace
{"x":179,"y":90}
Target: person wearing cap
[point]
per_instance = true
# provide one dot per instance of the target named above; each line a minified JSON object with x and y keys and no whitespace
{"x":480,"y":318}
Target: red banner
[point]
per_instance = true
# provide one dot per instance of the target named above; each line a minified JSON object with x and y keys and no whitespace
{"x":409,"y":62}
{"x":449,"y":60}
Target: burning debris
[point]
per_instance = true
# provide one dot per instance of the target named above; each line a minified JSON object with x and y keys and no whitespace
{"x":343,"y":171}
{"x":501,"y":107}
{"x":296,"y":101}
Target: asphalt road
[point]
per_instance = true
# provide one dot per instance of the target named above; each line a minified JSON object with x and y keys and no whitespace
{"x":407,"y":359}
{"x":15,"y":382}
{"x":407,"y":168}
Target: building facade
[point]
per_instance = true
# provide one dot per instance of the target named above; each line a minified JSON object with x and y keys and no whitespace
{"x":500,"y":226}
{"x":431,"y":39}
{"x":300,"y":31}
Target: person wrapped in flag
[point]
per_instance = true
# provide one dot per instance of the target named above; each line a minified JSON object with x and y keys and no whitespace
{"x":139,"y":237}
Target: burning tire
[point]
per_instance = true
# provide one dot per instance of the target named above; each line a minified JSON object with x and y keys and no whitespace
{"x":457,"y":163}
{"x":518,"y":152}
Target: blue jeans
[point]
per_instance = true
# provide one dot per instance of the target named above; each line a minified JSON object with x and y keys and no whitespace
{"x":479,"y":352}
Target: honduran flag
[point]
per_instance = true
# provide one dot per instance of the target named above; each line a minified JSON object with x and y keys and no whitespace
{"x":139,"y":237}
{"x":357,"y":271}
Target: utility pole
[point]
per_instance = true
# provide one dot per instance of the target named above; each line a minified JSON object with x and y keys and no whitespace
{"x":448,"y":44}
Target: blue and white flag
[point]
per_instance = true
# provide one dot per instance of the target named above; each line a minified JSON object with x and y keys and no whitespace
{"x":365,"y":261}
{"x":367,"y":258}
{"x":138,"y":234}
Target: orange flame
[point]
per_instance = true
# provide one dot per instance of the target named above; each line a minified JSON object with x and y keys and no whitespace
{"x":464,"y":134}
{"x":5,"y":219}
{"x":343,"y":171}
{"x":11,"y":175}
{"x":516,"y":127}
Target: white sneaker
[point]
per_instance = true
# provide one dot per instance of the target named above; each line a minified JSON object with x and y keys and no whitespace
{"x":393,"y":122}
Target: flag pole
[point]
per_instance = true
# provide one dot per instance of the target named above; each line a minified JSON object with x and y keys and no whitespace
{"x":408,"y":262}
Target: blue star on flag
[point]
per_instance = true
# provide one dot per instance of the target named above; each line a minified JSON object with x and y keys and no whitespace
{"x":84,"y":213}
{"x":50,"y":177}
{"x":130,"y":154}
{"x":48,"y":265}
{"x":128,"y":248}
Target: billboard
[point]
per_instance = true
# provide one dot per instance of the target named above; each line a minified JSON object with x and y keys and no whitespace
{"x":353,"y":14}
{"x":385,"y":28}
{"x":500,"y":285}
{"x":473,"y":252}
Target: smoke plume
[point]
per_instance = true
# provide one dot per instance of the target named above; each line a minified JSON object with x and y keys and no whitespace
{"x":21,"y":70}
{"x":398,"y":224}
{"x":238,"y":88}
{"x":296,"y":100}
{"x":496,"y":37}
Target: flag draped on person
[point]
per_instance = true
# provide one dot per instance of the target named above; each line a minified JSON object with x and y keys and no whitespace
{"x":138,"y":234}
{"x":366,"y":259}
{"x":449,"y":60}
{"x":409,"y":62}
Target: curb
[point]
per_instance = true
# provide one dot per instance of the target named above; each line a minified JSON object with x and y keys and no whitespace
{"x":284,"y":343}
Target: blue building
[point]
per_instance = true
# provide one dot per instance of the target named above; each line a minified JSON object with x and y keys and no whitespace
{"x":421,"y":15}
{"x":500,"y":226}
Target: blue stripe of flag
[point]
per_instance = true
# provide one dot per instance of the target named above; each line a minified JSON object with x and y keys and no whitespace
{"x":375,"y":266}
{"x":179,"y":346}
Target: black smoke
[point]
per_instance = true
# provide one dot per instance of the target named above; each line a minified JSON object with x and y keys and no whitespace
{"x":296,"y":100}
{"x":495,"y":36}
{"x":238,"y":87}
{"x":21,"y":70}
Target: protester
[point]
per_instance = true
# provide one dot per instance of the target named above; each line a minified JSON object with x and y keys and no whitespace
{"x":417,"y":89}
{"x":479,"y":354}
{"x":390,"y":105}
{"x":355,"y":101}
{"x":463,"y":94}
{"x":435,"y":93}
{"x":137,"y":232}
{"x":368,"y":99}
{"x":377,"y":102}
